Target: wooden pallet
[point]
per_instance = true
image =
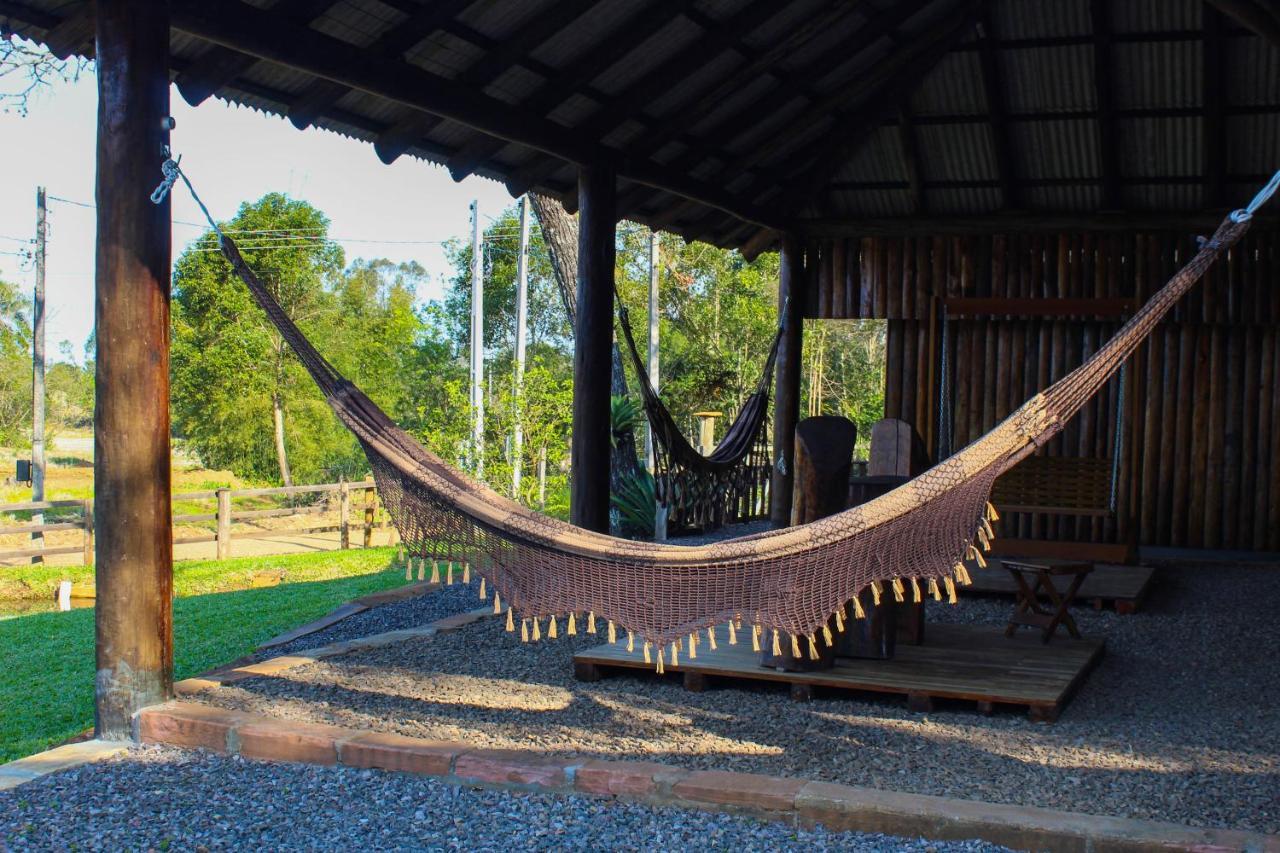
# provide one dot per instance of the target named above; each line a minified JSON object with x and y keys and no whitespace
{"x":1121,"y":587}
{"x":966,"y":662}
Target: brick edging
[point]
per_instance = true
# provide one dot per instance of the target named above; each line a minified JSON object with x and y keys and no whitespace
{"x":797,"y":801}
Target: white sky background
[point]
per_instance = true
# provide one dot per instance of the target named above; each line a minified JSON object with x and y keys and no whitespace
{"x":232,"y":154}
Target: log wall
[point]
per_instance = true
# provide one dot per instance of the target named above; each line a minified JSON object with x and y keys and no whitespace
{"x":1200,"y":460}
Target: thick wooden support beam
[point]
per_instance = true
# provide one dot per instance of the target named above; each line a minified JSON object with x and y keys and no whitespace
{"x":786,"y":394}
{"x":231,"y":23}
{"x":993,"y":86}
{"x":132,"y":515}
{"x":593,"y":349}
{"x":1025,"y":223}
{"x":1103,"y":87}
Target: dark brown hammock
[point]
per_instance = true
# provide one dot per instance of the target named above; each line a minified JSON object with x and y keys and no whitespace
{"x":782,"y":586}
{"x":728,"y":484}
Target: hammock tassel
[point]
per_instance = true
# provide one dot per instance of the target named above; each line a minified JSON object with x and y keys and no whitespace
{"x":978,"y":558}
{"x":733,"y":634}
{"x":408,"y":571}
{"x":986,"y":528}
{"x":631,"y":642}
{"x":435,"y":571}
{"x":466,"y":573}
{"x":551,"y":629}
{"x":511,"y":621}
{"x":711,"y":637}
{"x":915,"y":591}
{"x":992,"y":515}
{"x":875,"y":593}
{"x":933,"y":589}
{"x":646,"y":658}
{"x":813,"y":649}
{"x":755,"y":638}
{"x":826,"y":636}
{"x":448,"y":580}
{"x":613,"y":633}
{"x":795,"y":646}
{"x":675,"y":655}
{"x":951,"y":590}
{"x":497,"y":603}
{"x":962,"y":574}
{"x":524,"y":630}
{"x":858,"y":612}
{"x":482,"y":592}
{"x":840,"y":619}
{"x":777,"y":643}
{"x":646,"y":652}
{"x":572,"y":630}
{"x":693,"y":647}
{"x":537,"y":632}
{"x":898,"y":590}
{"x":982,"y":538}
{"x":591,"y":621}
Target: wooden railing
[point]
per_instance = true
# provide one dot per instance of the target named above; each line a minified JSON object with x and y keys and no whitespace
{"x":223,"y":517}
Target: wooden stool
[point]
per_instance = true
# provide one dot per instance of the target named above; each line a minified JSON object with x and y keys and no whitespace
{"x":1030,"y":609}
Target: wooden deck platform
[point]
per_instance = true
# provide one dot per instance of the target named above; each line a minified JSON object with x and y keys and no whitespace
{"x":1122,"y":587}
{"x":966,"y":662}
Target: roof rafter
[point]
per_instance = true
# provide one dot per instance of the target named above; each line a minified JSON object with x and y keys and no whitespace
{"x":740,"y":121}
{"x":1108,"y":145}
{"x":392,"y":44}
{"x":1260,"y":16}
{"x":270,"y":37}
{"x":632,"y":32}
{"x":910,"y":151}
{"x":220,"y":65}
{"x":1214,"y":96}
{"x":1001,"y":140}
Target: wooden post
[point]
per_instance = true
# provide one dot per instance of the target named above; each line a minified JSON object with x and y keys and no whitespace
{"x":522,"y":321}
{"x":224,"y":524}
{"x":477,"y":345}
{"x":370,"y":505}
{"x":133,"y":516}
{"x":344,"y":515}
{"x":37,"y":371}
{"x":593,"y":349}
{"x":649,"y":457}
{"x":786,"y":397}
{"x":86,"y":510}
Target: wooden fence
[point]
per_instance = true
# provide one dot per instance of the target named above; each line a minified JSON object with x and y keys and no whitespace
{"x":222,"y":518}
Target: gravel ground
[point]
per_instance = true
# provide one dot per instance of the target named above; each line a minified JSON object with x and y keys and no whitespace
{"x":414,"y":613}
{"x":1175,"y":724}
{"x":158,"y":799}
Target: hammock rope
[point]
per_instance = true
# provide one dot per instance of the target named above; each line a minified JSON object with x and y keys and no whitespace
{"x":784,"y":584}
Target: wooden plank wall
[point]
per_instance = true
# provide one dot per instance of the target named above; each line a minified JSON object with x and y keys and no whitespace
{"x":1201,"y":460}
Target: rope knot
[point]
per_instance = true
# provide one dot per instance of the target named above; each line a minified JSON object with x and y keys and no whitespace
{"x":171,"y":172}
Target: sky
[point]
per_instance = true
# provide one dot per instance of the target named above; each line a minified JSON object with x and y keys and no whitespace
{"x":232,"y":154}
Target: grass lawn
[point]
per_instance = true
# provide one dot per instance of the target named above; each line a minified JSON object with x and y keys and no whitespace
{"x":46,"y":682}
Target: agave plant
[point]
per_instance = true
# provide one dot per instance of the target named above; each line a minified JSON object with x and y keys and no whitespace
{"x":635,"y":502}
{"x":625,"y":416}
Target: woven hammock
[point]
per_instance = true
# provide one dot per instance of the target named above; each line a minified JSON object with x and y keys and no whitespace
{"x":704,"y":491}
{"x":783,"y":586}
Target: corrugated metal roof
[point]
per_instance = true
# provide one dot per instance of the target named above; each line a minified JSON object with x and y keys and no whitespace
{"x":756,"y":114}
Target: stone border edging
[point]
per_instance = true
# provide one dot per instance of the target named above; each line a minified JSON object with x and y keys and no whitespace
{"x":351,"y":608}
{"x":68,"y":755}
{"x":797,"y":801}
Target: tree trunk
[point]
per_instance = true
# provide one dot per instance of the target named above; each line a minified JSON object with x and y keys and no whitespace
{"x":281,"y":456}
{"x":560,"y":234}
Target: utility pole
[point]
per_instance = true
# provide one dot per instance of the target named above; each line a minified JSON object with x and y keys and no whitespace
{"x":522,"y":322}
{"x":477,"y":344}
{"x":37,"y":371}
{"x":649,"y":457}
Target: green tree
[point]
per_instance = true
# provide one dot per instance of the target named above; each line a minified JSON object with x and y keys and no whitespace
{"x":15,"y":366}
{"x":240,"y":399}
